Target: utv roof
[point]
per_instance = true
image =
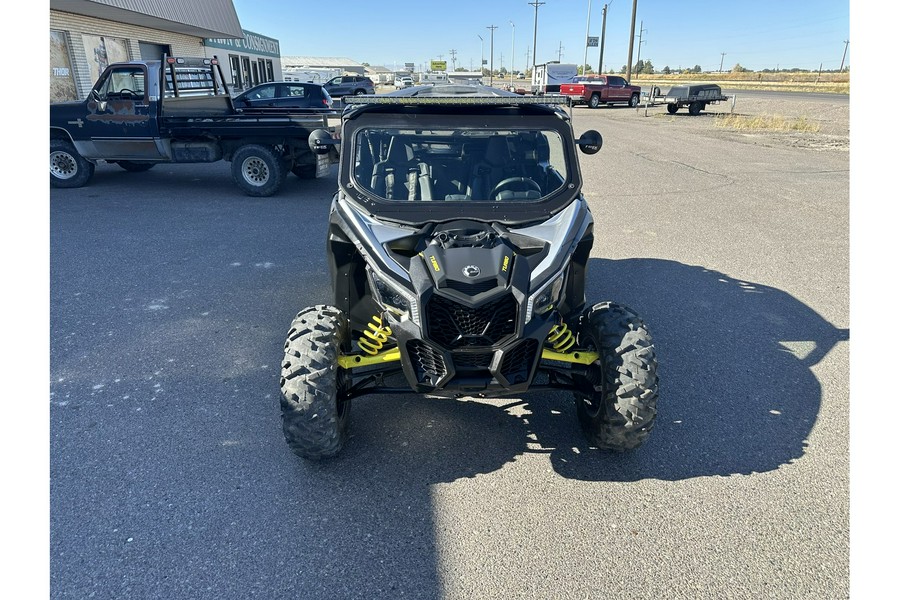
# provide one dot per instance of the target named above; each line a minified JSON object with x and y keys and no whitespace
{"x":455,"y":95}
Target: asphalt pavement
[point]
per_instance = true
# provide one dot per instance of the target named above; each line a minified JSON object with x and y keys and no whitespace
{"x":170,"y":297}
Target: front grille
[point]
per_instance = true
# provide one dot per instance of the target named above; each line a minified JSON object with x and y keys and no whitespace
{"x":472,"y":360}
{"x":455,"y":325}
{"x":517,"y":363}
{"x":427,"y":363}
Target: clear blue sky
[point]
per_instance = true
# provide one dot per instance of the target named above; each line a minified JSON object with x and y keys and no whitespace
{"x":759,"y":34}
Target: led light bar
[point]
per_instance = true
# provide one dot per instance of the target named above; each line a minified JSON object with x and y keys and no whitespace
{"x":458,"y":100}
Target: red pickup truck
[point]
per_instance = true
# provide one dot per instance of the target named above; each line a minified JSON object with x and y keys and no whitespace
{"x":604,"y":89}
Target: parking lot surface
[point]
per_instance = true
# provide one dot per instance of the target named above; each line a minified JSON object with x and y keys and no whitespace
{"x":171,"y":294}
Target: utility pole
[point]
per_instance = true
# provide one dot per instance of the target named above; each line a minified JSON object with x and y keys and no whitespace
{"x":722,"y":63}
{"x":535,"y":4}
{"x":559,"y":53}
{"x":602,"y":39}
{"x":631,"y":41}
{"x":492,"y":28}
{"x":640,"y":41}
{"x":512,"y":57}
{"x":527,"y":57}
{"x":587,"y":35}
{"x":453,"y":59}
{"x":846,"y":43}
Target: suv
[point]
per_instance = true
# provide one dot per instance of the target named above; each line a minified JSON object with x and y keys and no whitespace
{"x":349,"y":85}
{"x":458,"y":245}
{"x":284,"y":94}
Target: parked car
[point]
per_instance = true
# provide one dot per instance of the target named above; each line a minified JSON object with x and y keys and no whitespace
{"x":284,"y":94}
{"x":403,"y":82}
{"x":349,"y":85}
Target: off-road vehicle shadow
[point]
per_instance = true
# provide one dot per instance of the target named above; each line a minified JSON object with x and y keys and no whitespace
{"x":737,"y":394}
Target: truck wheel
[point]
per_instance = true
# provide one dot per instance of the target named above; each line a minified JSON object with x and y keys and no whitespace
{"x":257,"y":170}
{"x":594,"y":102}
{"x":360,"y":92}
{"x":68,"y":169}
{"x":672,"y":108}
{"x":134,"y":167}
{"x":634,"y":101}
{"x":695,"y":108}
{"x":314,"y":415}
{"x":617,"y":403}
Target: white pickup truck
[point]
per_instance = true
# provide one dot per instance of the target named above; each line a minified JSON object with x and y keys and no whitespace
{"x":403,"y":82}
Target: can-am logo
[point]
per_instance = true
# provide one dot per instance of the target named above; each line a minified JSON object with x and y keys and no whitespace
{"x":471,"y":271}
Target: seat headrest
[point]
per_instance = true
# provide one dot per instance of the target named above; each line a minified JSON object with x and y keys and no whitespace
{"x":497,"y":152}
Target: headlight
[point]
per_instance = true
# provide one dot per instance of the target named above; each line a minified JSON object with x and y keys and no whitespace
{"x":393,"y":298}
{"x":546,"y":298}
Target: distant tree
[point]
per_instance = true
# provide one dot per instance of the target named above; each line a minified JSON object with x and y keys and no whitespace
{"x":667,"y":70}
{"x":624,"y":69}
{"x":697,"y":69}
{"x":585,"y":69}
{"x":738,"y":69}
{"x":647,"y":68}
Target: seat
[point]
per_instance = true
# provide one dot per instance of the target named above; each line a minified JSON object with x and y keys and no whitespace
{"x":400,"y":176}
{"x":493,"y":168}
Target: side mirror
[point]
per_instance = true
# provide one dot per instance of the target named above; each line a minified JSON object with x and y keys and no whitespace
{"x":590,"y":142}
{"x":320,"y":141}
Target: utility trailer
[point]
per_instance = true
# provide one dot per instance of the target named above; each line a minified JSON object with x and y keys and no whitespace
{"x":693,"y":96}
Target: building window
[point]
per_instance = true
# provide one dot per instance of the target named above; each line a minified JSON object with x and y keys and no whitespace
{"x":270,"y":70}
{"x":237,"y":82}
{"x":102,"y":51}
{"x":245,"y":69}
{"x":62,"y":80}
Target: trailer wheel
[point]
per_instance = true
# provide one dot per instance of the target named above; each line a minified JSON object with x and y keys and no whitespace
{"x":695,"y":108}
{"x":594,"y":102}
{"x":634,"y":101}
{"x":672,"y":108}
{"x":68,"y":169}
{"x":257,"y":170}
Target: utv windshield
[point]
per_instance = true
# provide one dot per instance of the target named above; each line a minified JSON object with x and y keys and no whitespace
{"x":481,"y":162}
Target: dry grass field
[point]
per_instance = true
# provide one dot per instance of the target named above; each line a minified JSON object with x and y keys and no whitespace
{"x":837,"y":83}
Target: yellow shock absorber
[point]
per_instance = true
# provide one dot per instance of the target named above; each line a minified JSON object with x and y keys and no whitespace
{"x":560,"y":338}
{"x":374,"y":336}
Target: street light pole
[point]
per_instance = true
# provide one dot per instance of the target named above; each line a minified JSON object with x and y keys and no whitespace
{"x":492,"y":28}
{"x":587,"y":34}
{"x":512,"y":57}
{"x":481,"y":64}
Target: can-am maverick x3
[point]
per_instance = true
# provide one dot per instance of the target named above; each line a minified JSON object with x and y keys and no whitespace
{"x":458,"y":243}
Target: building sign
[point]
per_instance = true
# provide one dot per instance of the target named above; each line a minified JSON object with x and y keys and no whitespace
{"x":252,"y":42}
{"x":593,"y":41}
{"x":439,"y":65}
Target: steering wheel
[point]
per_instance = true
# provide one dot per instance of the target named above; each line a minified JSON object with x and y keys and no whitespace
{"x":515,"y":184}
{"x":124,"y":91}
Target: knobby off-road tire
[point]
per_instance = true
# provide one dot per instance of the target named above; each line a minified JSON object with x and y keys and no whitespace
{"x":68,"y":169}
{"x":314,"y":417}
{"x":257,"y":170}
{"x":617,"y":407}
{"x":134,"y":167}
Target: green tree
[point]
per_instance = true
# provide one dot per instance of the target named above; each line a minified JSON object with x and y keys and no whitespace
{"x":624,"y":69}
{"x":738,"y":69}
{"x":585,"y":69}
{"x":697,"y":69}
{"x":667,"y":70}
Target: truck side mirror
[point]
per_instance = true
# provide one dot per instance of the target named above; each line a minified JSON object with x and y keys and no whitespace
{"x":320,"y":141}
{"x":590,"y":142}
